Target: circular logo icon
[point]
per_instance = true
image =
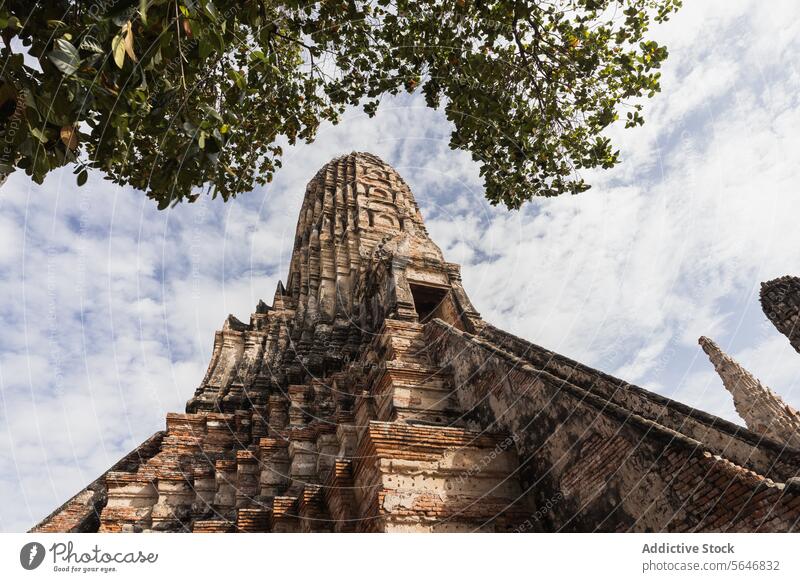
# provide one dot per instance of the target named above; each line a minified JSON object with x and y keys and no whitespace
{"x":31,"y":555}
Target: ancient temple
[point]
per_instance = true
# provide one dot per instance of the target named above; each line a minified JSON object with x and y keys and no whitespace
{"x":370,"y":396}
{"x":780,"y":299}
{"x":762,"y":410}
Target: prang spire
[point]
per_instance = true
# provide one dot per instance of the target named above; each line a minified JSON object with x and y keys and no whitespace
{"x":371,"y":396}
{"x":761,"y":409}
{"x":780,"y":300}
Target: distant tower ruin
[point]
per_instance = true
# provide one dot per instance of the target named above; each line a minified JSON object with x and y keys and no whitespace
{"x":762,"y":410}
{"x":780,"y":300}
{"x":372,"y":397}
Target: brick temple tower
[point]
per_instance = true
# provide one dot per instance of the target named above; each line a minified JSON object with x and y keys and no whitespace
{"x":780,"y":300}
{"x":762,"y":410}
{"x":371,"y":397}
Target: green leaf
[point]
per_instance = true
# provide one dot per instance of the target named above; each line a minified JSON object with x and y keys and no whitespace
{"x":65,"y":57}
{"x":211,"y":10}
{"x":39,"y":134}
{"x":143,"y":11}
{"x":41,"y":166}
{"x":82,"y":177}
{"x":528,"y":96}
{"x":237,"y":78}
{"x":212,"y":112}
{"x":90,"y":44}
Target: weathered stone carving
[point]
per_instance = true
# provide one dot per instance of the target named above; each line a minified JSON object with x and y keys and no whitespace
{"x":371,"y":396}
{"x":762,"y":410}
{"x":780,"y":300}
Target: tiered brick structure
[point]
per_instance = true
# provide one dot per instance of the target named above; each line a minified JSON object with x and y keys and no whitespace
{"x":780,"y":300}
{"x":763,"y":411}
{"x":372,"y":397}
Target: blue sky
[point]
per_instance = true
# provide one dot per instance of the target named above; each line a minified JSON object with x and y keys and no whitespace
{"x":110,"y":306}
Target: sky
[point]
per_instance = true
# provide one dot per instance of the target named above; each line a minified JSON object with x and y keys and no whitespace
{"x":110,"y":305}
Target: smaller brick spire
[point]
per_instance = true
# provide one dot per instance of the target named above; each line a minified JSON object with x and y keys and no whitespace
{"x":762,"y":410}
{"x":780,"y":300}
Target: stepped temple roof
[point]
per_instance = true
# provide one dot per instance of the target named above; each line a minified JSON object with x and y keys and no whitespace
{"x":371,"y":396}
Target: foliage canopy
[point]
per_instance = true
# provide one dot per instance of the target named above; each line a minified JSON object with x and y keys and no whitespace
{"x":171,"y":96}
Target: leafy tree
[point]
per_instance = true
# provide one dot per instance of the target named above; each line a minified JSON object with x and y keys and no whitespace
{"x":171,"y":96}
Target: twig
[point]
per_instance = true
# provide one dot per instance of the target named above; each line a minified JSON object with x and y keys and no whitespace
{"x":180,"y":50}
